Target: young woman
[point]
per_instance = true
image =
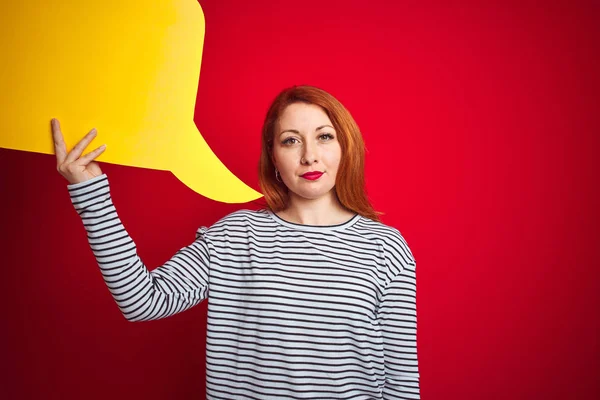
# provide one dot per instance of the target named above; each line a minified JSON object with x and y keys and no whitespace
{"x":311,"y":298}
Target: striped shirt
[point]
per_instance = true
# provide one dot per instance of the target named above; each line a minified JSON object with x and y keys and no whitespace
{"x":294,"y":311}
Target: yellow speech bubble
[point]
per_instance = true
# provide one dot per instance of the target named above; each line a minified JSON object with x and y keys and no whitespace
{"x":128,"y":68}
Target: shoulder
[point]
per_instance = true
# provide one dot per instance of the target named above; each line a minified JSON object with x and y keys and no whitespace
{"x":242,"y":217}
{"x":368,"y":226}
{"x":239,"y":220}
{"x":396,"y":250}
{"x":389,"y":235}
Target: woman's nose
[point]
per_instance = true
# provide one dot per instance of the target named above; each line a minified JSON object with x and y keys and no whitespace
{"x":309,"y":155}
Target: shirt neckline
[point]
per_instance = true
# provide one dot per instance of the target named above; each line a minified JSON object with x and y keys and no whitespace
{"x":305,"y":227}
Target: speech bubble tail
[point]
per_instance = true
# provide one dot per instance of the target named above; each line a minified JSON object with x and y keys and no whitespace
{"x":197,"y":166}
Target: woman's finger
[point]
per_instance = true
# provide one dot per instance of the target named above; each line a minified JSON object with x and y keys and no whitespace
{"x":76,"y":151}
{"x":85,"y":160}
{"x":59,"y":143}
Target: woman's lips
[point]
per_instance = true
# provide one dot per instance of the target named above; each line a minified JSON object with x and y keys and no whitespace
{"x":312,"y":175}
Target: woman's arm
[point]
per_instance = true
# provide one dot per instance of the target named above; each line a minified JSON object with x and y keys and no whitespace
{"x":179,"y":284}
{"x":398,"y":318}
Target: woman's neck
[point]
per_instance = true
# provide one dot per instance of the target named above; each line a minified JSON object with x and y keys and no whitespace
{"x":323,"y":211}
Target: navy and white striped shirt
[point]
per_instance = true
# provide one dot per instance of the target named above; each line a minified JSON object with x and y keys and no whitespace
{"x":295,"y":311}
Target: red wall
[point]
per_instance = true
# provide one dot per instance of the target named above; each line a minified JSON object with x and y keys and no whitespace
{"x":481,"y":121}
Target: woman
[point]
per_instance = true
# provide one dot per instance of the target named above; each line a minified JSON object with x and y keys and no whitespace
{"x":312,"y":298}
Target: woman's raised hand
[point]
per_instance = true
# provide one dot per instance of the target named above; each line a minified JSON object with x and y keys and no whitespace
{"x":72,"y":166}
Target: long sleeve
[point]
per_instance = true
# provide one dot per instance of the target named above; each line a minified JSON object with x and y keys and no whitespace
{"x":398,"y":318}
{"x":179,"y":284}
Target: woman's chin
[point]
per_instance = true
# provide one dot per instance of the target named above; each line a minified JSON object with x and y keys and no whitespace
{"x":315,"y":194}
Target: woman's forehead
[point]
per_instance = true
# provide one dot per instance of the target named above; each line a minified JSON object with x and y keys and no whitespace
{"x":303,"y":115}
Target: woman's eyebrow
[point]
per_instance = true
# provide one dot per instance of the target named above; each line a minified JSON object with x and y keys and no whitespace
{"x":295,"y":131}
{"x":324,"y":126}
{"x":289,"y":130}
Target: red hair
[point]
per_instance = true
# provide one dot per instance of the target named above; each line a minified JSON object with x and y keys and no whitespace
{"x":350,"y":179}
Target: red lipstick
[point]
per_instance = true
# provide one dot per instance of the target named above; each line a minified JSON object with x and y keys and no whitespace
{"x":312,"y":175}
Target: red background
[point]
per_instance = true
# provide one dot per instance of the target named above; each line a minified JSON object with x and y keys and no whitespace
{"x":481,"y":122}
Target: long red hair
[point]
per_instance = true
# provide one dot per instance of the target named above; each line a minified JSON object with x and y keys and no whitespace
{"x":350,"y":179}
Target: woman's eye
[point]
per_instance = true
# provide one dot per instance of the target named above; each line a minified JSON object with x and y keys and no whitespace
{"x":326,"y":136}
{"x":290,"y":140}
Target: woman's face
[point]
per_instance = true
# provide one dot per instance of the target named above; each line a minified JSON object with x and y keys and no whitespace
{"x":306,"y":151}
